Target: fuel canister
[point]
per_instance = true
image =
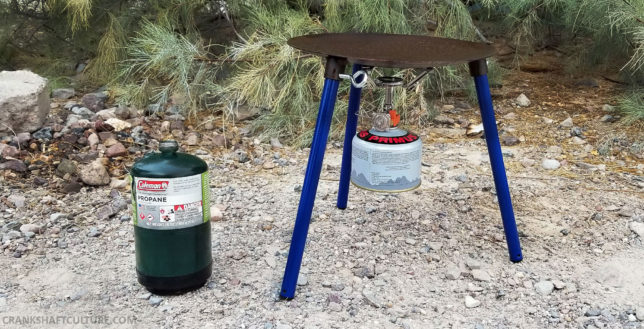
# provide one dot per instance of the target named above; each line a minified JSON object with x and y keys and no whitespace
{"x":386,"y":161}
{"x":170,"y":201}
{"x":386,"y":158}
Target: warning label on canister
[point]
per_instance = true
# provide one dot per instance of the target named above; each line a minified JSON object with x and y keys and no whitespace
{"x":171,"y":203}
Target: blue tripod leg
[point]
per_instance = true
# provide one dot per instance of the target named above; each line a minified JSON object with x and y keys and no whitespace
{"x":478,"y":70}
{"x":312,"y":176}
{"x":349,"y":133}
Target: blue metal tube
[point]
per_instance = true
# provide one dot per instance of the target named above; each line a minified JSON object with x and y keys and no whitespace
{"x":309,"y":188}
{"x":498,"y":169}
{"x":349,"y":133}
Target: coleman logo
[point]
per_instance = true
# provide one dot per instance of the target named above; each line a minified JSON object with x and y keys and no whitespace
{"x":150,"y":185}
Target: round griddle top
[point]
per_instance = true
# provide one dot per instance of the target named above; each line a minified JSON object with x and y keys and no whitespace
{"x":392,"y":50}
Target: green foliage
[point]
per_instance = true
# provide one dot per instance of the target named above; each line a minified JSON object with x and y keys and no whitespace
{"x":162,"y":64}
{"x":631,"y":105}
{"x":601,"y":31}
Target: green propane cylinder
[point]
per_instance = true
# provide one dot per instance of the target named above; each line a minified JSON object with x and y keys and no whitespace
{"x":170,"y":200}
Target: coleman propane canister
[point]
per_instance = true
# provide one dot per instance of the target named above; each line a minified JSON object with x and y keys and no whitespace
{"x":170,"y":201}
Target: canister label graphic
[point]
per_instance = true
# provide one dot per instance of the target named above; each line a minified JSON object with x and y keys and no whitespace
{"x":171,"y":203}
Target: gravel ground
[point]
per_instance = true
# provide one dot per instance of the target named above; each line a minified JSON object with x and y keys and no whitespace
{"x":431,"y":258}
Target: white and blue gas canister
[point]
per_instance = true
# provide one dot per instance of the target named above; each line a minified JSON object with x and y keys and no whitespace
{"x":386,"y":158}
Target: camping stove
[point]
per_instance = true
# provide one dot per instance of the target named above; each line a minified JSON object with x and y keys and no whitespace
{"x":386,"y":158}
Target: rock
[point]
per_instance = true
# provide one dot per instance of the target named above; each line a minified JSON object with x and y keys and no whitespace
{"x":550,"y":164}
{"x":216,"y":214}
{"x":176,"y":124}
{"x":302,"y":280}
{"x":105,"y":135}
{"x":63,"y":93}
{"x":593,"y":312}
{"x":118,"y":124}
{"x":558,"y":284}
{"x":576,"y":131}
{"x":246,"y":113}
{"x":639,"y":313}
{"x":527,"y":162}
{"x":94,"y":101}
{"x":66,"y":166}
{"x":365,"y":272}
{"x":510,"y":116}
{"x":523,"y":100}
{"x":608,"y":108}
{"x":371,"y":299}
{"x":22,"y":139}
{"x":481,"y":275}
{"x":8,"y":151}
{"x":241,"y":156}
{"x":155,"y":300}
{"x":122,"y":112}
{"x":116,"y":150}
{"x":94,"y":174}
{"x":33,"y":228}
{"x":567,"y":123}
{"x":39,"y":181}
{"x":11,"y":235}
{"x":275,"y":143}
{"x":106,"y":114}
{"x":473,"y":288}
{"x":268,"y":165}
{"x":92,"y":140}
{"x":637,"y":228}
{"x":116,"y":183}
{"x":473,"y":130}
{"x":111,"y":209}
{"x":43,"y":134}
{"x":165,"y":127}
{"x":544,"y":287}
{"x":453,"y":273}
{"x":219,"y":140}
{"x":145,"y":296}
{"x":608,"y":118}
{"x":192,"y":139}
{"x":443,"y":120}
{"x":18,"y":200}
{"x":72,"y":187}
{"x":93,"y":232}
{"x":577,"y":141}
{"x":509,"y":140}
{"x":470,"y":302}
{"x":24,"y":101}
{"x":83,"y":112}
{"x":14,"y":165}
{"x":473,"y":264}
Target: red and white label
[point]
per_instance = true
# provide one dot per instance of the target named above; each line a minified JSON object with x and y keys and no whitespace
{"x":169,"y":203}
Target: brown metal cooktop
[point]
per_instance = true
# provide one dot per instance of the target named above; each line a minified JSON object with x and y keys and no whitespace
{"x":392,"y":50}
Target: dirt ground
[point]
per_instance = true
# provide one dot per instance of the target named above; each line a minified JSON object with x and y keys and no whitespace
{"x":404,"y":260}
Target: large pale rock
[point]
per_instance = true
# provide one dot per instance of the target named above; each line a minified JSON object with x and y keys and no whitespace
{"x":24,"y":101}
{"x":94,"y":173}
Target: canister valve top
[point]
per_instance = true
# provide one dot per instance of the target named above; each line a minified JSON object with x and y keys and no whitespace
{"x":168,"y":146}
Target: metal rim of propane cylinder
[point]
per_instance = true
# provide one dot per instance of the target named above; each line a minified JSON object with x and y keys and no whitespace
{"x":386,"y":81}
